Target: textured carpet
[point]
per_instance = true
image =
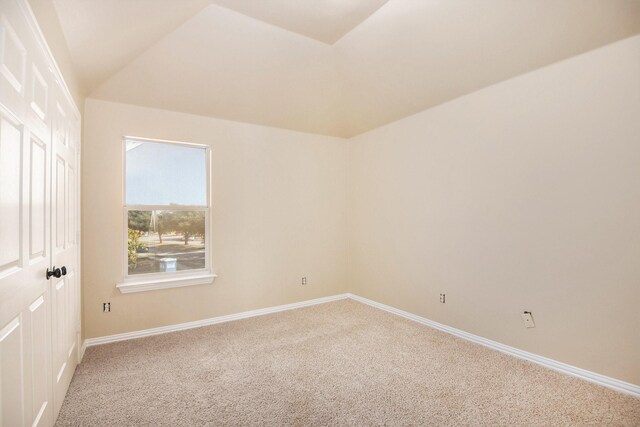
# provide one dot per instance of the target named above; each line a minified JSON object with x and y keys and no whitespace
{"x":341,"y":363}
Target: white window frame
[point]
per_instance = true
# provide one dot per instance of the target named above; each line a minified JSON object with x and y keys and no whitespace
{"x":173,"y":279}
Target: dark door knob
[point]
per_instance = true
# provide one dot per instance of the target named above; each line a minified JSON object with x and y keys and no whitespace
{"x":63,"y":270}
{"x":55,"y":272}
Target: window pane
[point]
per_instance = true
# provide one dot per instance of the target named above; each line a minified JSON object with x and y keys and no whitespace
{"x":164,"y":174}
{"x":166,"y":241}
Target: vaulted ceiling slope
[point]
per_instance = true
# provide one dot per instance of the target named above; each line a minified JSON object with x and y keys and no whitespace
{"x":324,"y":20}
{"x":323,"y":68}
{"x":105,"y":35}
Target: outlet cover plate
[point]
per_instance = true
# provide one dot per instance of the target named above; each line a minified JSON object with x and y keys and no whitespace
{"x":527,"y":318}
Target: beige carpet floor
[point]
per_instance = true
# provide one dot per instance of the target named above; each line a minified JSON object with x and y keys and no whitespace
{"x":341,"y":363}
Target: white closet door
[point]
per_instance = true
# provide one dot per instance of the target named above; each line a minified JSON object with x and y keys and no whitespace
{"x":64,"y":249}
{"x":30,"y":390}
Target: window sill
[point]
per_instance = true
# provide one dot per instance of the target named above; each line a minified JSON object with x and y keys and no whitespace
{"x":159,"y":283}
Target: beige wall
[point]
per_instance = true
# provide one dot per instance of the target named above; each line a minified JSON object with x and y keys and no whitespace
{"x":522,"y":196}
{"x":279,"y":213}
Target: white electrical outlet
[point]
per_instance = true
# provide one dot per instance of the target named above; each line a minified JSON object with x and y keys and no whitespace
{"x":528,"y":320}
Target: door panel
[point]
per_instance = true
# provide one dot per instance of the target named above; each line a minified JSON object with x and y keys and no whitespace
{"x":39,"y":93}
{"x":12,"y":403}
{"x":39,"y":358}
{"x":38,"y":200}
{"x":72,"y":211}
{"x":60,"y":337}
{"x":10,"y":206}
{"x":72,"y":298}
{"x":59,"y":203}
{"x":13,"y":59}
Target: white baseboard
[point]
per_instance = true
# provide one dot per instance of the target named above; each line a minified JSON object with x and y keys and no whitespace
{"x":83,"y":348}
{"x":206,"y":322}
{"x":564,"y":368}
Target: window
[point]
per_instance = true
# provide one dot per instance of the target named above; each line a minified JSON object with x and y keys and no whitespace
{"x":166,"y":213}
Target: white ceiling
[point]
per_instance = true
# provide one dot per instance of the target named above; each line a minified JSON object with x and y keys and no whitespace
{"x":105,"y":35}
{"x":277,"y":65}
{"x":324,"y":20}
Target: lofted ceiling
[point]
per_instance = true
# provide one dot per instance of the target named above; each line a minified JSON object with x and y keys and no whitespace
{"x":331,"y":67}
{"x":324,"y":20}
{"x":105,"y":35}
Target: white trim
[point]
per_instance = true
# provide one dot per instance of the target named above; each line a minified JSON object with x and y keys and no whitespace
{"x":165,"y":283}
{"x":159,"y":277}
{"x":166,"y":208}
{"x":212,"y":321}
{"x":564,"y":368}
{"x":143,"y":139}
{"x":83,"y":348}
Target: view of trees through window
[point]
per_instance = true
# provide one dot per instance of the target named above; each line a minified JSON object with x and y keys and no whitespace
{"x":165,"y":241}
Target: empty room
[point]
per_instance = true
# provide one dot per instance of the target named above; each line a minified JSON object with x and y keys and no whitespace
{"x":319,"y":213}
